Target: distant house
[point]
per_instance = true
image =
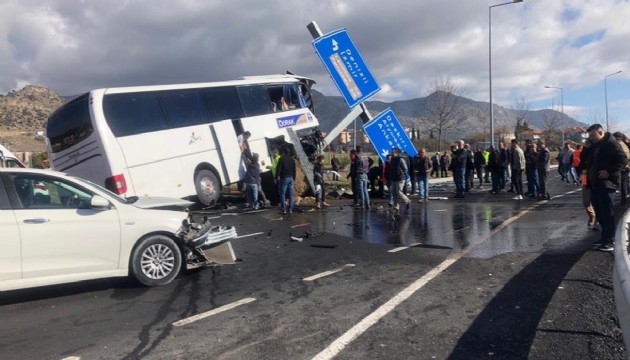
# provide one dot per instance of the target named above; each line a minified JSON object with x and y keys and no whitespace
{"x":575,"y":134}
{"x":532,"y":134}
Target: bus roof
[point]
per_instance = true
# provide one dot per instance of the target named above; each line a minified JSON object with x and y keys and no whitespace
{"x":246,"y":80}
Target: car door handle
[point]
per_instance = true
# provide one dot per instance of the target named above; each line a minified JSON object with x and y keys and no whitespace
{"x":35,"y":221}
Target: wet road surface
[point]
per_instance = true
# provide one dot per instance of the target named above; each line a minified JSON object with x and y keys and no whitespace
{"x":486,"y":277}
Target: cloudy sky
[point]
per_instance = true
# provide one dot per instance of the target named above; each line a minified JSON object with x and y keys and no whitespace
{"x":73,"y":46}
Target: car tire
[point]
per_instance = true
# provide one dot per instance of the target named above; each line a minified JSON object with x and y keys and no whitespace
{"x":208,"y":187}
{"x":156,"y":261}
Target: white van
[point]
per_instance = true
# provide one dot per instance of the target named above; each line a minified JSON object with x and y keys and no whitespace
{"x":7,"y":159}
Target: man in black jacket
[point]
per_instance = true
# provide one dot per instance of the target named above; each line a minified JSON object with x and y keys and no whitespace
{"x":605,"y":160}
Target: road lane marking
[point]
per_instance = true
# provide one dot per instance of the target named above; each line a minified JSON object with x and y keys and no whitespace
{"x":248,"y":235}
{"x":357,"y":330}
{"x":72,"y":358}
{"x":327,"y":273}
{"x":300,"y":225}
{"x":213,"y":312}
{"x":401,"y":248}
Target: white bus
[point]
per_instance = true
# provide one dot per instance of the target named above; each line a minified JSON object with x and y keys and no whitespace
{"x":178,"y":140}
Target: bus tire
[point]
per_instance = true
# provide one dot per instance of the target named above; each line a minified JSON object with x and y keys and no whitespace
{"x":208,"y":187}
{"x":156,"y":261}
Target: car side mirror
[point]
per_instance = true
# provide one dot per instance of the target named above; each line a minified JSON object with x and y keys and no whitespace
{"x":99,"y":203}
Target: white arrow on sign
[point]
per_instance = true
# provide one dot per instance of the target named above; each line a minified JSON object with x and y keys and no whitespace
{"x":385,"y":152}
{"x":335,"y":45}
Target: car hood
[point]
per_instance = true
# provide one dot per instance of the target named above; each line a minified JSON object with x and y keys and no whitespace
{"x":161,"y":203}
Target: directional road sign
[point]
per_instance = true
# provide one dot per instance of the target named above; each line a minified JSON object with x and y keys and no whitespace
{"x":385,"y":133}
{"x":348,"y":70}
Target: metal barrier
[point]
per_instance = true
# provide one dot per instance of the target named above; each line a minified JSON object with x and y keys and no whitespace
{"x":621,"y":277}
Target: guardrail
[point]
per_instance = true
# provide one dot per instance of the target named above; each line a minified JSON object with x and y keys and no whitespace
{"x":621,"y":277}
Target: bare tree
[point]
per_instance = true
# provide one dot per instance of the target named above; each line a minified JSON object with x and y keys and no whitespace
{"x":444,"y":109}
{"x":520,"y":113}
{"x":551,"y":122}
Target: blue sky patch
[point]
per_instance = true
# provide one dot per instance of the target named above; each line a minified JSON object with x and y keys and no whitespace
{"x":570,"y":15}
{"x":588,"y":38}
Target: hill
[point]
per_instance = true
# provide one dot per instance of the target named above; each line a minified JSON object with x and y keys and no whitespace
{"x":332,"y":109}
{"x":23,"y":113}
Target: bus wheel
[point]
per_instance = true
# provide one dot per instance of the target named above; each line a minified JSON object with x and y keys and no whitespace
{"x":208,"y":187}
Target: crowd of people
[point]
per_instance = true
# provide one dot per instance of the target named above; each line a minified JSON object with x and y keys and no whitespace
{"x":599,"y":165}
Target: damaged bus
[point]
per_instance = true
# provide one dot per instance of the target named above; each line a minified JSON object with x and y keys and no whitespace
{"x":179,"y":140}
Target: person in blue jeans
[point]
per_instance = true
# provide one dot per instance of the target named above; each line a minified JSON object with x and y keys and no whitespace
{"x":252,"y":179}
{"x":423,"y":167}
{"x":361,"y":166}
{"x":458,"y":164}
{"x":285,"y":176}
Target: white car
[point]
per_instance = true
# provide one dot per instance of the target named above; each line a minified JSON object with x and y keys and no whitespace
{"x":56,"y":229}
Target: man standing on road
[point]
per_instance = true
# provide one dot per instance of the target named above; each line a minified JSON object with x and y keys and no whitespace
{"x":285,"y":175}
{"x":398,"y":176}
{"x":604,"y":166}
{"x":423,"y":168}
{"x":470,"y":169}
{"x":459,"y":160}
{"x":480,"y":163}
{"x":444,"y":165}
{"x":542,"y":168}
{"x":518,"y":166}
{"x":435,"y":164}
{"x":502,"y":165}
{"x":531,"y":154}
{"x":362,"y":167}
{"x":567,"y":164}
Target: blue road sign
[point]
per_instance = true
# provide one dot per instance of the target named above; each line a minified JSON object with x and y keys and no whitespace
{"x":385,"y":133}
{"x":348,"y":70}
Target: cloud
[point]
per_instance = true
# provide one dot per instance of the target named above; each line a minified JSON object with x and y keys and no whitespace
{"x":77,"y":46}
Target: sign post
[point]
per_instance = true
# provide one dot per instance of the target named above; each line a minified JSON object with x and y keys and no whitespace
{"x":346,"y":67}
{"x":385,"y":133}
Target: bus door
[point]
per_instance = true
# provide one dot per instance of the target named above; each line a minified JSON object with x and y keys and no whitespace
{"x":227,"y":146}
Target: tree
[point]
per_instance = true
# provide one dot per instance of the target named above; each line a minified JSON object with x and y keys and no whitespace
{"x":444,"y":109}
{"x":521,"y":111}
{"x":551,"y":133}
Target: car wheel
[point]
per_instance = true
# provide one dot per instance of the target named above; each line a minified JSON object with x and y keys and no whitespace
{"x":156,"y":261}
{"x":208,"y":187}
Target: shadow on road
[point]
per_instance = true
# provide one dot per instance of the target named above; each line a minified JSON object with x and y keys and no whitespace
{"x":506,"y":328}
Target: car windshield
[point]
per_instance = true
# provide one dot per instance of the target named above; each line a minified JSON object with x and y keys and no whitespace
{"x":115,"y":196}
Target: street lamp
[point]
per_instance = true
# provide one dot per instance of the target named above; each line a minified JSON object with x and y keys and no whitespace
{"x":606,"y":96}
{"x":490,"y":63}
{"x":561,"y":109}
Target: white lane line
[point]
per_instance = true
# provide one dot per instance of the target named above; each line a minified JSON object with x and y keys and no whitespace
{"x":300,"y":225}
{"x":213,"y":312}
{"x":340,"y":343}
{"x":72,"y":358}
{"x":329,"y":272}
{"x":214,"y":217}
{"x":567,"y":193}
{"x":401,"y":248}
{"x":248,"y":235}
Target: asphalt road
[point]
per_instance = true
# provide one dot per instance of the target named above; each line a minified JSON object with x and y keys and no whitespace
{"x":486,"y":277}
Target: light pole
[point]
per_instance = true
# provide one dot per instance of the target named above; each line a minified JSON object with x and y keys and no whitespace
{"x":490,"y":63}
{"x":561,"y":109}
{"x":606,"y":97}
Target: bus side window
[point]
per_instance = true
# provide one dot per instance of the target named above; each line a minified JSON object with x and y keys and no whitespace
{"x":223,"y":103}
{"x":184,"y":108}
{"x":134,"y":113}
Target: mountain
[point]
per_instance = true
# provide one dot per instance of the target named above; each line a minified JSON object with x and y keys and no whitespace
{"x":23,"y":113}
{"x":27,"y":109}
{"x":332,"y":109}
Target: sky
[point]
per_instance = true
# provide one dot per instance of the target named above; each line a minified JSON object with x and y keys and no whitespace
{"x":73,"y":46}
